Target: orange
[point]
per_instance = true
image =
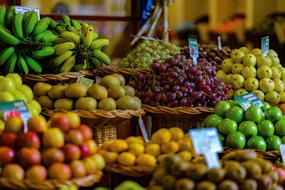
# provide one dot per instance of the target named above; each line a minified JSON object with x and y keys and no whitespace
{"x":185,"y":155}
{"x":153,"y":149}
{"x":161,"y":136}
{"x":132,"y":139}
{"x":127,"y":159}
{"x":146,"y":160}
{"x":107,"y":144}
{"x":38,"y":124}
{"x":176,"y":133}
{"x":136,"y":148}
{"x":170,"y":147}
{"x":119,"y":145}
{"x":110,"y":157}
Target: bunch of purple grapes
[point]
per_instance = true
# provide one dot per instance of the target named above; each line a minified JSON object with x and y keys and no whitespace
{"x":178,"y":82}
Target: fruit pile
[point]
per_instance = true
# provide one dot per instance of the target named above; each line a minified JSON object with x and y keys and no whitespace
{"x":133,"y":150}
{"x":248,"y":70}
{"x":12,"y":88}
{"x":177,"y":82}
{"x":148,"y":51}
{"x":78,"y":47}
{"x":111,"y":93}
{"x":258,"y":128}
{"x":25,"y":40}
{"x":59,"y":149}
{"x":242,"y":170}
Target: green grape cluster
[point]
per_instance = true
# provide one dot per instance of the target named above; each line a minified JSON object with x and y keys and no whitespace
{"x":148,"y":51}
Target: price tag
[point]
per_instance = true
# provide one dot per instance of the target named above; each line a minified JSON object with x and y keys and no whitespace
{"x":13,"y":109}
{"x":20,"y":9}
{"x":193,"y":49}
{"x":143,"y":129}
{"x":282,"y":152}
{"x":206,"y":141}
{"x":247,"y":100}
{"x":265,"y":45}
{"x":85,"y":81}
{"x":219,"y":45}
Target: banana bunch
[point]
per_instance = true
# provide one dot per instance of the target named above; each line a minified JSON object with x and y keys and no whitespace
{"x":26,"y":40}
{"x":78,"y":47}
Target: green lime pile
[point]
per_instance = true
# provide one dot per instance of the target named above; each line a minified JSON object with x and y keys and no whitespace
{"x":148,"y":51}
{"x":260,"y":128}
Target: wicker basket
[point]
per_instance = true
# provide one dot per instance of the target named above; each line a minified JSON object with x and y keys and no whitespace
{"x":182,"y":117}
{"x":103,"y":122}
{"x":127,"y":72}
{"x":87,"y":181}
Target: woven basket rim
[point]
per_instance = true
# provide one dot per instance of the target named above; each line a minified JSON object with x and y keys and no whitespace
{"x":135,"y":170}
{"x":177,"y":110}
{"x":117,"y":69}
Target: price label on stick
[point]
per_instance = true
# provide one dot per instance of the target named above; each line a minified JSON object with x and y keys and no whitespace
{"x":282,"y":152}
{"x":265,"y":45}
{"x":193,"y":49}
{"x":22,"y":10}
{"x":85,"y":81}
{"x":219,"y":45}
{"x":206,"y":141}
{"x":143,"y":129}
{"x":247,"y":100}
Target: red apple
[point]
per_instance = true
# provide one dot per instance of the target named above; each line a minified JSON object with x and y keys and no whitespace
{"x":52,"y":155}
{"x":7,"y":155}
{"x":60,"y":121}
{"x":74,"y":119}
{"x":30,"y":140}
{"x":29,"y":157}
{"x":71,"y":152}
{"x":85,"y":152}
{"x":9,"y":139}
{"x":74,"y":137}
{"x":37,"y":172}
{"x":59,"y":171}
{"x":13,"y":172}
{"x":86,"y":132}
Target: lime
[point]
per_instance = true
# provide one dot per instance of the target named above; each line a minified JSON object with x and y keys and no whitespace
{"x":273,"y":114}
{"x":265,"y":128}
{"x":235,"y":113}
{"x":236,"y":140}
{"x":257,"y":142}
{"x":280,"y":127}
{"x":213,"y":120}
{"x":227,"y":126}
{"x":273,"y":142}
{"x":248,"y":128}
{"x":254,"y":113}
{"x":222,"y":107}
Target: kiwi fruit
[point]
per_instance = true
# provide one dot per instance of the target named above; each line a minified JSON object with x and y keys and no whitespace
{"x":206,"y":185}
{"x":265,"y":165}
{"x":158,"y":175}
{"x":168,"y":182}
{"x":253,"y":169}
{"x":185,"y":184}
{"x":235,"y":171}
{"x":179,"y":168}
{"x":248,"y":184}
{"x":64,"y":104}
{"x":155,"y":187}
{"x":228,"y":185}
{"x":276,"y":187}
{"x":57,"y":91}
{"x":45,"y":101}
{"x":216,"y":175}
{"x":197,"y":171}
{"x":274,"y":176}
{"x":170,"y":160}
{"x":264,"y":182}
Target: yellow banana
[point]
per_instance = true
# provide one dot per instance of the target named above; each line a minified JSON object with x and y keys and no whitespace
{"x":95,"y":35}
{"x":99,"y":43}
{"x":17,"y":25}
{"x":68,"y":64}
{"x":61,"y":58}
{"x":88,"y":37}
{"x":63,"y":47}
{"x":61,"y":40}
{"x":70,"y":36}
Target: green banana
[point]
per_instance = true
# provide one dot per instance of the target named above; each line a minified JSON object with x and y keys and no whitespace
{"x":11,"y":63}
{"x":76,"y":24}
{"x":61,"y":58}
{"x":73,"y":29}
{"x":17,"y":25}
{"x":33,"y":65}
{"x":66,"y":20}
{"x":42,"y":25}
{"x":53,"y":23}
{"x":6,"y":53}
{"x":2,"y":14}
{"x":5,"y":29}
{"x":44,"y":52}
{"x":61,"y":40}
{"x":99,"y":43}
{"x":82,"y":66}
{"x":94,"y":61}
{"x":71,"y":36}
{"x":30,"y":23}
{"x":95,"y":35}
{"x":26,"y":15}
{"x":10,"y":12}
{"x":63,"y":47}
{"x":49,"y":37}
{"x":22,"y":65}
{"x":68,"y":64}
{"x":88,"y":37}
{"x":8,"y":38}
{"x":60,"y":28}
{"x":101,"y":56}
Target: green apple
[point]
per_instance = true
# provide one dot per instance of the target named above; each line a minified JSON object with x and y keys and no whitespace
{"x":256,"y":51}
{"x":237,"y":68}
{"x":275,"y":61}
{"x":254,"y":114}
{"x":33,"y":111}
{"x":27,"y":91}
{"x":272,"y":97}
{"x":236,"y":140}
{"x":240,"y":92}
{"x":17,"y":79}
{"x":257,"y":142}
{"x":266,"y":85}
{"x":251,"y":84}
{"x":259,"y":94}
{"x":245,"y":50}
{"x":273,"y":114}
{"x":18,"y":95}
{"x":249,"y":60}
{"x":282,"y":97}
{"x":265,"y":128}
{"x":280,"y":127}
{"x":272,"y":52}
{"x":276,"y":73}
{"x":221,"y":75}
{"x":227,"y":65}
{"x":237,"y":81}
{"x":212,"y":120}
{"x":237,"y":56}
{"x":278,"y":85}
{"x":235,"y":113}
{"x":222,"y":107}
{"x":7,"y":84}
{"x":263,"y":61}
{"x":273,"y":142}
{"x":248,"y":128}
{"x":228,"y":78}
{"x":227,"y":126}
{"x":265,"y":106}
{"x":282,"y":70}
{"x":6,"y":96}
{"x":248,"y":72}
{"x":264,"y":72}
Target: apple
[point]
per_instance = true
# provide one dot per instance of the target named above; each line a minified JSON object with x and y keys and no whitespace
{"x":227,"y":126}
{"x":263,"y":61}
{"x":273,"y":114}
{"x":264,"y":72}
{"x":220,"y":75}
{"x":60,"y":121}
{"x":85,"y":152}
{"x":222,"y":107}
{"x":235,"y":113}
{"x":37,"y":124}
{"x":254,"y":114}
{"x":16,"y":78}
{"x":92,"y":146}
{"x":256,"y":51}
{"x":52,"y":155}
{"x":280,"y":127}
{"x":18,"y":95}
{"x":266,"y":85}
{"x":78,"y":169}
{"x":227,"y":65}
{"x":74,"y":136}
{"x":265,"y":128}
{"x":248,"y":128}
{"x":29,"y":157}
{"x":275,"y":61}
{"x":237,"y":56}
{"x":99,"y":160}
{"x":276,"y":73}
{"x":86,"y":132}
{"x":9,"y":139}
{"x":240,"y":92}
{"x":248,"y":72}
{"x":14,"y":124}
{"x":30,"y":140}
{"x":36,"y":173}
{"x":212,"y":120}
{"x":237,"y":68}
{"x":7,"y":84}
{"x":53,"y":137}
{"x":249,"y":60}
{"x":259,"y":94}
{"x":7,"y":155}
{"x":59,"y":171}
{"x":245,"y":50}
{"x":251,"y":84}
{"x":282,"y":97}
{"x":74,"y":119}
{"x":272,"y":97}
{"x":257,"y":142}
{"x":13,"y":172}
{"x":6,"y":96}
{"x":272,"y":52}
{"x":90,"y":165}
{"x":71,"y":152}
{"x":237,"y":81}
{"x":278,"y":85}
